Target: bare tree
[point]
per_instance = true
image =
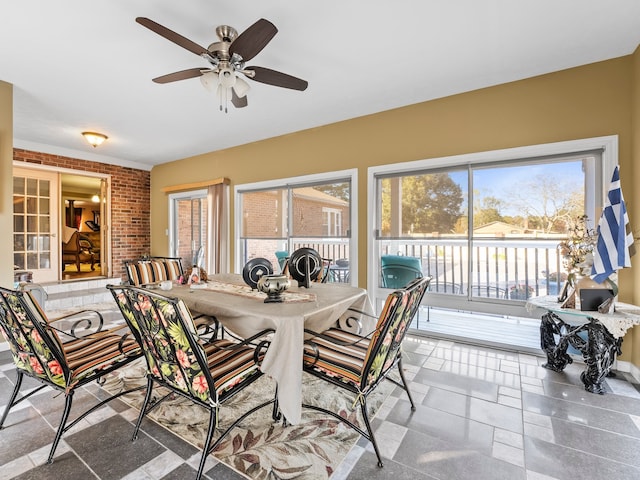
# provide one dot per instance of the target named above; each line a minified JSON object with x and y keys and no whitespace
{"x":546,"y":203}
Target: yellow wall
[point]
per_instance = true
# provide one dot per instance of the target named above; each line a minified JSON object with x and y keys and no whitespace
{"x":583,"y":102}
{"x":634,"y":208}
{"x":588,"y":101}
{"x":6,"y":184}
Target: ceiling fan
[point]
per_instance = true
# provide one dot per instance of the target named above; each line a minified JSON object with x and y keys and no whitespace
{"x":227,"y":58}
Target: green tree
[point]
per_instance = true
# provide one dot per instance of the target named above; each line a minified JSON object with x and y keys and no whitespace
{"x":487,"y":211}
{"x":338,"y":190}
{"x":430,"y":203}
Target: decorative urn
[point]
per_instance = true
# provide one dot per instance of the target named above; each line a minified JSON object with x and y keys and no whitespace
{"x":273,"y":286}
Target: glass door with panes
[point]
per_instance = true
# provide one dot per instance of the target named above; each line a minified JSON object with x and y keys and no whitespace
{"x":35,"y":223}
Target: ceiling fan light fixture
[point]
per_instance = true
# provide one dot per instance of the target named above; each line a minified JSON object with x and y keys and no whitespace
{"x":209,"y":80}
{"x":94,"y":138}
{"x":241,"y":87}
{"x":227,"y":77}
{"x":227,"y":57}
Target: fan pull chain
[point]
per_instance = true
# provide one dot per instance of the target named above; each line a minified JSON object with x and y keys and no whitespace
{"x":223,"y":97}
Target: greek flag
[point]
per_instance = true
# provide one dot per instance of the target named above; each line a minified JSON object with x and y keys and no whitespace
{"x":615,"y":240}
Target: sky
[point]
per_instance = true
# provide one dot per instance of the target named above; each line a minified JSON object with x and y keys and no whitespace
{"x":506,"y":182}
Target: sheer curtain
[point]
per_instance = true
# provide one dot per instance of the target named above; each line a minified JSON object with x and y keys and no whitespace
{"x":218,"y":222}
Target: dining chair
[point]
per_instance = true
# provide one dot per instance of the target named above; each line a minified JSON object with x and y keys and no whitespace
{"x":282,"y":256}
{"x":206,"y":371}
{"x":360,"y":363}
{"x":399,"y":270}
{"x":78,"y":250}
{"x":152,"y":270}
{"x":55,"y":354}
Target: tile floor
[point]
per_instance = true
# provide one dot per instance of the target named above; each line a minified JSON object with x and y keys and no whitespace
{"x":481,"y":413}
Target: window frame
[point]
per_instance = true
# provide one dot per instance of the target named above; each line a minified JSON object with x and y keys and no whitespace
{"x":172,"y":198}
{"x":295,"y":182}
{"x":608,"y":145}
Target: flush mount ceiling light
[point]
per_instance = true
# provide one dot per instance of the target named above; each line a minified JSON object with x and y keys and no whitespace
{"x":94,"y":138}
{"x":95,"y":199}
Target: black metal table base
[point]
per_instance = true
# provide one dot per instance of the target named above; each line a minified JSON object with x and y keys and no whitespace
{"x":599,"y":350}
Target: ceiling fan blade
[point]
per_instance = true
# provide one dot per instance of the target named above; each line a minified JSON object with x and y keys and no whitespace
{"x":251,"y":42}
{"x":278,"y":79}
{"x":171,"y":36}
{"x":238,"y":102}
{"x":181,"y":75}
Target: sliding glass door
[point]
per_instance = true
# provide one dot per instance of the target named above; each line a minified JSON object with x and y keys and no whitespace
{"x":487,"y":231}
{"x":189,"y":226}
{"x":273,"y":219}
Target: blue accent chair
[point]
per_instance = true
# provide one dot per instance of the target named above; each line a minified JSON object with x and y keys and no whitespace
{"x":398,"y":271}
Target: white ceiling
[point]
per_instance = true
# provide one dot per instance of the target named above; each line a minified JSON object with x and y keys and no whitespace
{"x":78,"y":65}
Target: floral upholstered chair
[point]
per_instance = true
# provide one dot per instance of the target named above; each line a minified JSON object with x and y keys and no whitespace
{"x":359,"y":363}
{"x":58,"y":357}
{"x":208,"y":372}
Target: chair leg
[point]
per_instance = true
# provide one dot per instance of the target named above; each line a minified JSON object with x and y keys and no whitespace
{"x":372,"y":438}
{"x":10,"y":403}
{"x":143,"y":408}
{"x":406,"y":385}
{"x":207,"y":443}
{"x":63,"y":421}
{"x":275,"y":415}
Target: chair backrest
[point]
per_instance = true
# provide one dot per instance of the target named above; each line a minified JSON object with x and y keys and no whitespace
{"x":85,"y":243}
{"x":35,"y":347}
{"x":73,"y":245}
{"x":489,"y":291}
{"x":396,"y":316}
{"x":445,"y":287}
{"x":398,"y":271}
{"x":282,"y":257}
{"x":153,"y":270}
{"x":323,"y":276}
{"x":166,"y":332}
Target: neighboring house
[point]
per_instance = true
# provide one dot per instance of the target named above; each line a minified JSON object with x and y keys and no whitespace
{"x":503,"y":229}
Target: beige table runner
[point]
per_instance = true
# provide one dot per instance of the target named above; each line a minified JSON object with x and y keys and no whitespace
{"x":248,"y":292}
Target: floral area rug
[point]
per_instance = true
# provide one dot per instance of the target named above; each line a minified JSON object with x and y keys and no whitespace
{"x":258,"y":447}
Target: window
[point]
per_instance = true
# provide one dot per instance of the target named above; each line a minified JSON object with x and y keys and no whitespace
{"x":284,"y":215}
{"x":331,"y":222}
{"x":188,"y":238}
{"x":486,"y":226}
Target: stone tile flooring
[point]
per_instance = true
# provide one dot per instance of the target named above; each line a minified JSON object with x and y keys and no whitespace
{"x":481,"y":414}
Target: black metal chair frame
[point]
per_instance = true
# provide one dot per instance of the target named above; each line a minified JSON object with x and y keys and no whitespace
{"x":413,"y":294}
{"x":24,"y":346}
{"x":145,"y":331}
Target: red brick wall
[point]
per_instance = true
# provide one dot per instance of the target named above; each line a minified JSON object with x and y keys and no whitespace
{"x":130,"y":202}
{"x":189,"y":215}
{"x":261,"y":216}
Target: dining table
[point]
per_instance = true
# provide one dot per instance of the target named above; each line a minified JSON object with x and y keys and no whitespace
{"x":243,"y":311}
